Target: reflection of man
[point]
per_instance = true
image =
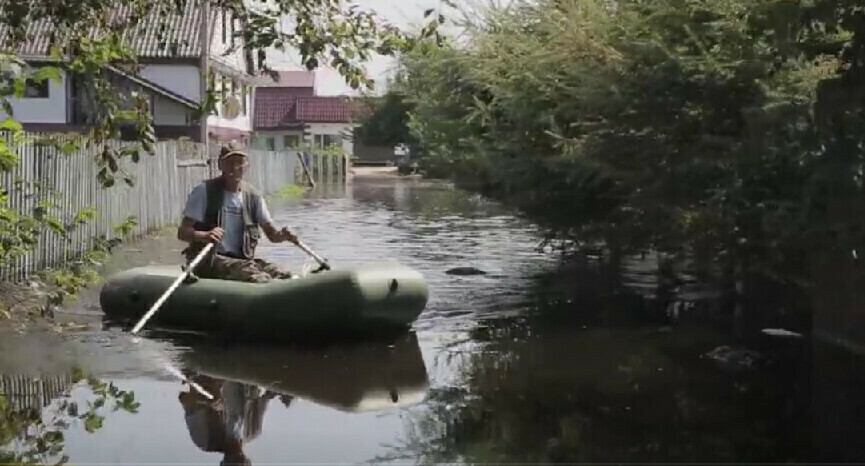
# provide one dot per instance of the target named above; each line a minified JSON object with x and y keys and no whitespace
{"x":232,"y":418}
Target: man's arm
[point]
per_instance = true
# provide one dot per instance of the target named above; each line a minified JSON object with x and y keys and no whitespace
{"x":186,"y":232}
{"x":194,"y":212}
{"x":270,"y":230}
{"x":278,"y":236}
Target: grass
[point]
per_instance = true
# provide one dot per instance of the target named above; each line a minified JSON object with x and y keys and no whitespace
{"x":291,"y":191}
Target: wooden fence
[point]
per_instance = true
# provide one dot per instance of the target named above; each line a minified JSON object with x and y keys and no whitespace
{"x":162,"y":182}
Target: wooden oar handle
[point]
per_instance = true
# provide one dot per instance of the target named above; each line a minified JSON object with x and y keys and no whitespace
{"x":171,"y":289}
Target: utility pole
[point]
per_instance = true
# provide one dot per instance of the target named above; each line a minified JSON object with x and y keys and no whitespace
{"x":204,"y":66}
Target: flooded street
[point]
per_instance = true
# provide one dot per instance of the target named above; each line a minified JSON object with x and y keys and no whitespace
{"x":509,"y":366}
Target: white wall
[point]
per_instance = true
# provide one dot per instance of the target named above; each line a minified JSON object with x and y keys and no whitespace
{"x":42,"y":110}
{"x":183,"y":80}
{"x":243,"y":121}
{"x":218,"y":46}
{"x":279,"y":138}
{"x":169,"y":112}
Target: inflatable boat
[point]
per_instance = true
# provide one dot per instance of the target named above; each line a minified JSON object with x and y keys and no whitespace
{"x":376,"y":296}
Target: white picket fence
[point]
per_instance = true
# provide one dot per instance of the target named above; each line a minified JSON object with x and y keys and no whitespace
{"x":162,"y":183}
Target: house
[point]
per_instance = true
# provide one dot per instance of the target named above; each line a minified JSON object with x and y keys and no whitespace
{"x":288,"y":112}
{"x":170,"y":76}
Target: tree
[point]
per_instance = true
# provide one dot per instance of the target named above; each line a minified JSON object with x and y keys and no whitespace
{"x":385,"y":120}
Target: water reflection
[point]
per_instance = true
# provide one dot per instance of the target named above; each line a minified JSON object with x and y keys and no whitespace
{"x":244,"y":380}
{"x":610,"y":395}
{"x":370,"y":376}
{"x":232,"y":418}
{"x":36,"y":412}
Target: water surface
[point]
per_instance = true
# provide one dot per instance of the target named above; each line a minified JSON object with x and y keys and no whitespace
{"x":512,"y":366}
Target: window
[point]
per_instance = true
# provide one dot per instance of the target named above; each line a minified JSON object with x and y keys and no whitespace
{"x":232,"y":30}
{"x":291,"y":141}
{"x":36,"y":90}
{"x":326,"y":140}
{"x":32,"y":89}
{"x":332,"y":140}
{"x":243,"y":95}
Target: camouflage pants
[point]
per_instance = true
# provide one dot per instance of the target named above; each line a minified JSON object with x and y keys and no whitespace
{"x":254,"y":270}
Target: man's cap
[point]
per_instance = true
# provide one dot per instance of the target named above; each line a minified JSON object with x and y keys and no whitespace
{"x":228,"y":151}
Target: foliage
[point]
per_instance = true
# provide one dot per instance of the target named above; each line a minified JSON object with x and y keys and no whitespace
{"x":386,"y":124}
{"x":291,"y":191}
{"x":28,"y":437}
{"x":68,"y":281}
{"x":675,"y":125}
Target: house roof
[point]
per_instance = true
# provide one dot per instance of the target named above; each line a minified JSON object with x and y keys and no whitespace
{"x":286,"y":107}
{"x":178,"y":39}
{"x":320,"y":109}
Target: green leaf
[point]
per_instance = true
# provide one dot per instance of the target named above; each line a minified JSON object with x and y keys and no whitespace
{"x":47,"y":73}
{"x":11,"y":125}
{"x":92,"y":422}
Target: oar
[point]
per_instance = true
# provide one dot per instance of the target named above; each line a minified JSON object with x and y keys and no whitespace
{"x":192,"y":384}
{"x":171,"y":289}
{"x":323,"y":263}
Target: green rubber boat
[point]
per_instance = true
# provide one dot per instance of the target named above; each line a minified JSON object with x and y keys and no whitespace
{"x":368,"y":298}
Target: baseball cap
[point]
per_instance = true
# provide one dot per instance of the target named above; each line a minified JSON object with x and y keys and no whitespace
{"x":228,"y":151}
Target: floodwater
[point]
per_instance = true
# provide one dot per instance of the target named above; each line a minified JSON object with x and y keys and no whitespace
{"x":518,"y":365}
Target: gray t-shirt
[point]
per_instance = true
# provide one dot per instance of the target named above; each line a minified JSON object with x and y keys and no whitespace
{"x":232,"y":215}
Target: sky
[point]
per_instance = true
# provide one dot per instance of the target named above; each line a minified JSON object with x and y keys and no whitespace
{"x":400,"y":13}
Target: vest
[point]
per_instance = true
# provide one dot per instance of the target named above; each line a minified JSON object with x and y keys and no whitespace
{"x":212,"y":218}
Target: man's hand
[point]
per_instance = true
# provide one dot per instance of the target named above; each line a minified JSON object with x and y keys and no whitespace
{"x":286,"y":235}
{"x":212,"y":236}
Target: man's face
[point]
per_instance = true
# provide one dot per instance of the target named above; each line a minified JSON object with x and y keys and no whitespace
{"x":234,"y":167}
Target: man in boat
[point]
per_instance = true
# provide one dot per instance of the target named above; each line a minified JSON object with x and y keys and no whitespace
{"x":227,"y":211}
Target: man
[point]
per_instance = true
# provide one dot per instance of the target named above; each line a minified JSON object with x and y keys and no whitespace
{"x":225,"y":210}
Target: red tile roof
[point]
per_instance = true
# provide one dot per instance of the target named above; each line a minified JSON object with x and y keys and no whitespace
{"x":291,"y":107}
{"x":319,"y":109}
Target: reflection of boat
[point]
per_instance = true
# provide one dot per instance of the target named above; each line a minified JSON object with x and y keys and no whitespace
{"x":372,"y":297}
{"x":367,"y":377}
